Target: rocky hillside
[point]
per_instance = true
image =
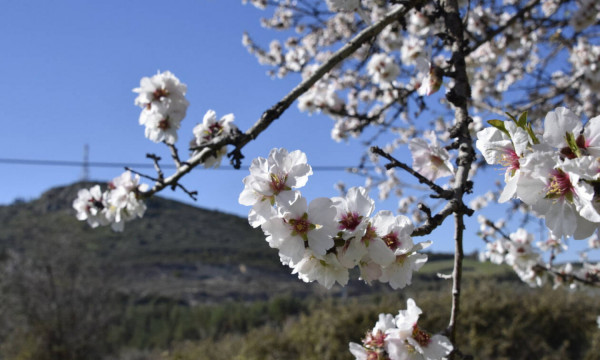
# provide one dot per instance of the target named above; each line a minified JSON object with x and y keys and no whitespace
{"x":176,"y":250}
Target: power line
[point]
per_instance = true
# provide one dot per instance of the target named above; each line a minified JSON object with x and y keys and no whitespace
{"x":87,"y":164}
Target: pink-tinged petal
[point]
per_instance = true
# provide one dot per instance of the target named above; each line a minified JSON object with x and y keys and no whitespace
{"x":298,"y":175}
{"x":321,"y":211}
{"x":380,"y":253}
{"x":285,"y":198}
{"x":359,"y":201}
{"x":260,"y":213}
{"x":510,"y":190}
{"x":561,"y":219}
{"x":276,"y":230}
{"x":519,"y":137}
{"x":438,"y":348}
{"x":352,"y":253}
{"x":319,"y":241}
{"x":248,"y":197}
{"x":584,"y":202}
{"x":592,"y":136}
{"x":559,"y":122}
{"x":358,"y":351}
{"x":369,"y":271}
{"x":530,"y":190}
{"x":584,"y":228}
{"x":292,"y":247}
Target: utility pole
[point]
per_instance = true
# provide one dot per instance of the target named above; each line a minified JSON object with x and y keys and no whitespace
{"x":85,"y":174}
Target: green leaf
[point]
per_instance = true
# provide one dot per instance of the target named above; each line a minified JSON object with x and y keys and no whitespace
{"x":531,"y":134}
{"x":572,"y":143}
{"x":522,"y":120}
{"x":511,"y":117}
{"x":499,"y":124}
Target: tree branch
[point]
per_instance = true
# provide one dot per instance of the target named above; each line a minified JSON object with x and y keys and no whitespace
{"x":239,"y":140}
{"x":458,"y":96}
{"x":441,"y":193}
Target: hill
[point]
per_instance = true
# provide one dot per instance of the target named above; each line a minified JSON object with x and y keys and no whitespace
{"x":177,"y":250}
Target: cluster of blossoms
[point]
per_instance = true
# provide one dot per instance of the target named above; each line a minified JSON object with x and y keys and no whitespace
{"x":324,"y":239}
{"x":405,"y":59}
{"x":555,"y":173}
{"x":519,"y":251}
{"x":400,"y":338}
{"x":114,"y":206}
{"x":162,"y":98}
{"x":211,"y":129}
{"x":163,"y":103}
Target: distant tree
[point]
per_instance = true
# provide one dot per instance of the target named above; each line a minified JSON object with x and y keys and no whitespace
{"x":57,"y":303}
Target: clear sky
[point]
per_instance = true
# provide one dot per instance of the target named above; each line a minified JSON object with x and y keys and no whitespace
{"x":68,"y":69}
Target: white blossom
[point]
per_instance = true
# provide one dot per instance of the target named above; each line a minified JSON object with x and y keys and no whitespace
{"x":383,"y":68}
{"x":430,"y":159}
{"x":211,"y":129}
{"x":90,"y":205}
{"x":271,"y":181}
{"x":162,"y":98}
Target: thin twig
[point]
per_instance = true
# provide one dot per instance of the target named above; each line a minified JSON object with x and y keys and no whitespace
{"x":441,"y":193}
{"x":174,"y":155}
{"x":156,"y":159}
{"x":567,"y":278}
{"x":143,"y":175}
{"x":191,"y":194}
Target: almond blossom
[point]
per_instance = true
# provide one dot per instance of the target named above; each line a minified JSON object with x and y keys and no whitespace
{"x":163,"y":102}
{"x":562,"y":123}
{"x":211,"y":129}
{"x":353,"y":212}
{"x":401,"y":338}
{"x":507,"y":149}
{"x":399,"y":273}
{"x":430,"y":159}
{"x":298,"y":226}
{"x":90,"y":205}
{"x":326,"y":269}
{"x":123,"y":202}
{"x":115,"y":206}
{"x":555,"y":194}
{"x":409,"y":341}
{"x":383,"y":69}
{"x":271,"y":181}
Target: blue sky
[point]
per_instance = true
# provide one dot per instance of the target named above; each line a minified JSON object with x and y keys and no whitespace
{"x":69,"y":68}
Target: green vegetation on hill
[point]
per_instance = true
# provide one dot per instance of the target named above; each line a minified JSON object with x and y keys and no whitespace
{"x":499,"y":321}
